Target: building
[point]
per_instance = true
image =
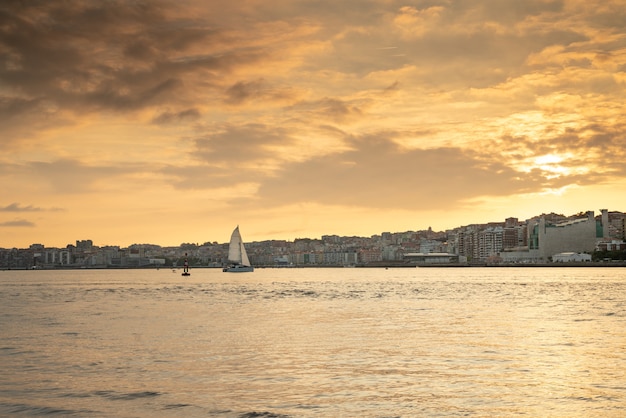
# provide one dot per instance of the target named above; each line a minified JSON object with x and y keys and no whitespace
{"x":431,"y":258}
{"x":570,"y":257}
{"x":615,"y":222}
{"x":370,"y":255}
{"x":489,"y":242}
{"x":577,"y":235}
{"x":612,"y":245}
{"x":514,"y":234}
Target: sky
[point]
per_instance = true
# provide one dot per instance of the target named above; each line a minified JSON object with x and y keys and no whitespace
{"x":170,"y":122}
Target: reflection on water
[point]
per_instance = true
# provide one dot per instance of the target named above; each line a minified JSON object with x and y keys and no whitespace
{"x":314,"y":342}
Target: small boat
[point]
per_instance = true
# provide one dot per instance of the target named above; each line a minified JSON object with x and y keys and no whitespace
{"x":237,"y":255}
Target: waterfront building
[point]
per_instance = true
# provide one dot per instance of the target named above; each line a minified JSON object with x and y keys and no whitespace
{"x":431,"y":258}
{"x":341,"y":258}
{"x":514,"y":234}
{"x":576,"y":235}
{"x":612,"y":245}
{"x":569,"y":257}
{"x":370,"y":255}
{"x":616,"y":222}
{"x":392,"y":253}
{"x":489,"y":242}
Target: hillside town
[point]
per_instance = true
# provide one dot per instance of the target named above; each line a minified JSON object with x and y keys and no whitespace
{"x":543,"y":239}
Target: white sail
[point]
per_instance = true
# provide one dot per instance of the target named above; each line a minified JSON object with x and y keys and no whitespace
{"x":237,"y":254}
{"x":244,"y":256}
{"x":234,"y":248}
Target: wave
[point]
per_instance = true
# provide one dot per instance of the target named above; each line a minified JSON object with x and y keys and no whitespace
{"x":32,"y":410}
{"x":116,"y":396}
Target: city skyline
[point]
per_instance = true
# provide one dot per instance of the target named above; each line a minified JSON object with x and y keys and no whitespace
{"x":548,"y":215}
{"x":167,"y":122}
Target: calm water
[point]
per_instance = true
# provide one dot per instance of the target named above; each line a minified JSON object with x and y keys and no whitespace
{"x":314,"y":342}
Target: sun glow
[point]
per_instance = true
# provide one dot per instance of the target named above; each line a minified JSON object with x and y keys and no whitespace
{"x":545,"y":160}
{"x":551,"y":164}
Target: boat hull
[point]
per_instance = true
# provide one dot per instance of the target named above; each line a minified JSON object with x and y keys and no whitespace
{"x":238,"y":269}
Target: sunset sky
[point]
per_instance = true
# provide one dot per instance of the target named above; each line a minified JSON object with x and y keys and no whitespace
{"x":168,"y":122}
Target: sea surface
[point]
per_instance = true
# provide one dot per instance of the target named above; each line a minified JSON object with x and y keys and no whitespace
{"x":293,"y":342}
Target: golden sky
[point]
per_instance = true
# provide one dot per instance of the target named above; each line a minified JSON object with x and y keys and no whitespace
{"x":168,"y":122}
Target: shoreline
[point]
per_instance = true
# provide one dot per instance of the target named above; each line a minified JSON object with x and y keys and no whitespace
{"x":530,"y":265}
{"x":586,"y":264}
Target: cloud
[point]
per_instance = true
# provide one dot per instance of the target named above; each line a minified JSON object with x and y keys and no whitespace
{"x":17,"y":223}
{"x":168,"y":117}
{"x":11,"y":106}
{"x":413,"y":22}
{"x":377,"y":173}
{"x":229,"y":155}
{"x":113,"y":55}
{"x":361,"y":103}
{"x":333,"y":109}
{"x":592,"y":149}
{"x":16,"y":207}
{"x":259,"y":91}
{"x":374,"y":171}
{"x":68,"y":176}
{"x":242,"y":145}
{"x":401,"y":168}
{"x":242,"y":91}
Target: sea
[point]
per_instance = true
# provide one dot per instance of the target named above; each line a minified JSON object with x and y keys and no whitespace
{"x":314,"y":342}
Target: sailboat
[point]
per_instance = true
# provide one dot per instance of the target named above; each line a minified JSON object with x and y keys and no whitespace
{"x":237,"y":255}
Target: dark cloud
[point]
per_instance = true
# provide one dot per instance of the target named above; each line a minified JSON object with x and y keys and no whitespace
{"x":242,"y":91}
{"x":125,"y":56}
{"x":112,"y":55}
{"x":21,"y":118}
{"x":117,"y":97}
{"x":11,"y":106}
{"x":259,"y":91}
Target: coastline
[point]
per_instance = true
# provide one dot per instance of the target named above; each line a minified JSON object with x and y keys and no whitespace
{"x":386,"y":265}
{"x":556,"y":265}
